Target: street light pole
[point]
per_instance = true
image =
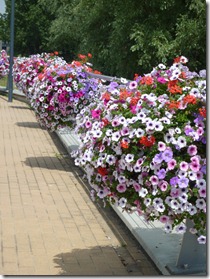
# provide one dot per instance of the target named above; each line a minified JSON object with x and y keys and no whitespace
{"x":11,"y":50}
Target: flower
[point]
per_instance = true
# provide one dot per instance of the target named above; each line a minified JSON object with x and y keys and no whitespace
{"x":153,"y":135}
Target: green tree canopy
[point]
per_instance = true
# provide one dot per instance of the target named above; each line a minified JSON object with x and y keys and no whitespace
{"x":124,"y":36}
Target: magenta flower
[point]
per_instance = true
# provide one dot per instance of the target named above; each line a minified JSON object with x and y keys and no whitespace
{"x":96,"y":113}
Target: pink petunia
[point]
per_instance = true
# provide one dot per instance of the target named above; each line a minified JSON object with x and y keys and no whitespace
{"x":121,"y":188}
{"x":194,"y":166}
{"x":164,"y":219}
{"x":192,"y":150}
{"x":183,"y":166}
{"x":171,"y":164}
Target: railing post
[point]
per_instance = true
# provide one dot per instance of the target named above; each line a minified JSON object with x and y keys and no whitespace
{"x":192,"y":255}
{"x":10,"y":83}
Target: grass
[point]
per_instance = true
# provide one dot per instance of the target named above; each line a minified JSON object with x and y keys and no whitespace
{"x":3,"y":81}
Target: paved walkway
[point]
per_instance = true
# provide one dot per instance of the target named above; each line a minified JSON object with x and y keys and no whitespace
{"x":48,"y":224}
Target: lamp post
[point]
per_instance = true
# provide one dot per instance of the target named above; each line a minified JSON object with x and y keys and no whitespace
{"x":11,"y":50}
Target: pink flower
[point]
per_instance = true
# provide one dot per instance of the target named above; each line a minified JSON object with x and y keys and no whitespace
{"x":137,"y":187}
{"x":200,"y":131}
{"x":164,"y":219}
{"x":183,"y":166}
{"x":121,"y":188}
{"x":163,"y":185}
{"x":161,"y":146}
{"x":161,"y":80}
{"x":171,"y":164}
{"x":96,"y":113}
{"x":88,"y":124}
{"x":194,"y":159}
{"x":194,"y":166}
{"x":192,"y":150}
{"x":154,"y":180}
{"x":202,"y":192}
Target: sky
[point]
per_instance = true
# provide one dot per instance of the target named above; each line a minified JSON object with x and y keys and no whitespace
{"x":2,"y":6}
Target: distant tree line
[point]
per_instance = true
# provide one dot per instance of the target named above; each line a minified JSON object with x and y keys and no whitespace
{"x":124,"y":36}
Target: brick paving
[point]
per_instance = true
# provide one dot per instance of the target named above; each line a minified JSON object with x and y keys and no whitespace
{"x":48,"y":223}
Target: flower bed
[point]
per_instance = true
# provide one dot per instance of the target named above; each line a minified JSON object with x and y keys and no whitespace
{"x":57,"y":91}
{"x":144,"y":146}
{"x":26,"y":69}
{"x":4,"y":64}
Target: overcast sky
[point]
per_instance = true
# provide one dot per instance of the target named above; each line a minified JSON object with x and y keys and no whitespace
{"x":2,"y":6}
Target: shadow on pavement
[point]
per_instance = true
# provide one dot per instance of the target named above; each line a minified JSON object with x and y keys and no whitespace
{"x":97,"y":261}
{"x":29,"y":124}
{"x":58,"y":162}
{"x":20,"y":107}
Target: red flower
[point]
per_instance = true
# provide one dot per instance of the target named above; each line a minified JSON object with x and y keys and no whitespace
{"x":105,"y":121}
{"x":147,"y":80}
{"x":189,"y":99}
{"x":202,"y":111}
{"x":102,"y":171}
{"x":124,"y":144}
{"x":147,"y":141}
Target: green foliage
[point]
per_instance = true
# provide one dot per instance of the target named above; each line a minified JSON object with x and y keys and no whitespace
{"x":124,"y":36}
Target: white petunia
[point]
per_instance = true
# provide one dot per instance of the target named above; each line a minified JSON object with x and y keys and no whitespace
{"x":181,"y":142}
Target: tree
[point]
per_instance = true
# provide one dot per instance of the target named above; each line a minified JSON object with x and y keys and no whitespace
{"x":31,"y":26}
{"x":124,"y":36}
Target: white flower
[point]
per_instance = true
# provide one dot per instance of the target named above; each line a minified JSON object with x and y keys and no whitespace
{"x":129,"y":158}
{"x":181,"y":142}
{"x":108,"y":133}
{"x":201,"y":239}
{"x":110,"y":159}
{"x":181,"y":228}
{"x":122,"y":202}
{"x":168,"y":227}
{"x":165,"y":120}
{"x":97,"y":134}
{"x":161,"y":66}
{"x":139,"y":132}
{"x":158,"y":126}
{"x":116,"y":136}
{"x":143,"y":192}
{"x":200,"y":203}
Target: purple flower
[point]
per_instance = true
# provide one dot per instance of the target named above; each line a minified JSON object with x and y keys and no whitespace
{"x":188,"y":130}
{"x":112,"y":86}
{"x":174,"y":181}
{"x":183,"y":182}
{"x":158,"y":158}
{"x":161,"y":173}
{"x":167,"y":155}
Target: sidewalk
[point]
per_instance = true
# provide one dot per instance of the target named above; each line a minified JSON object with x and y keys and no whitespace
{"x":48,"y":223}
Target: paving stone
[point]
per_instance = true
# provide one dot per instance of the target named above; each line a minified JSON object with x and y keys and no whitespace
{"x":49,"y":225}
